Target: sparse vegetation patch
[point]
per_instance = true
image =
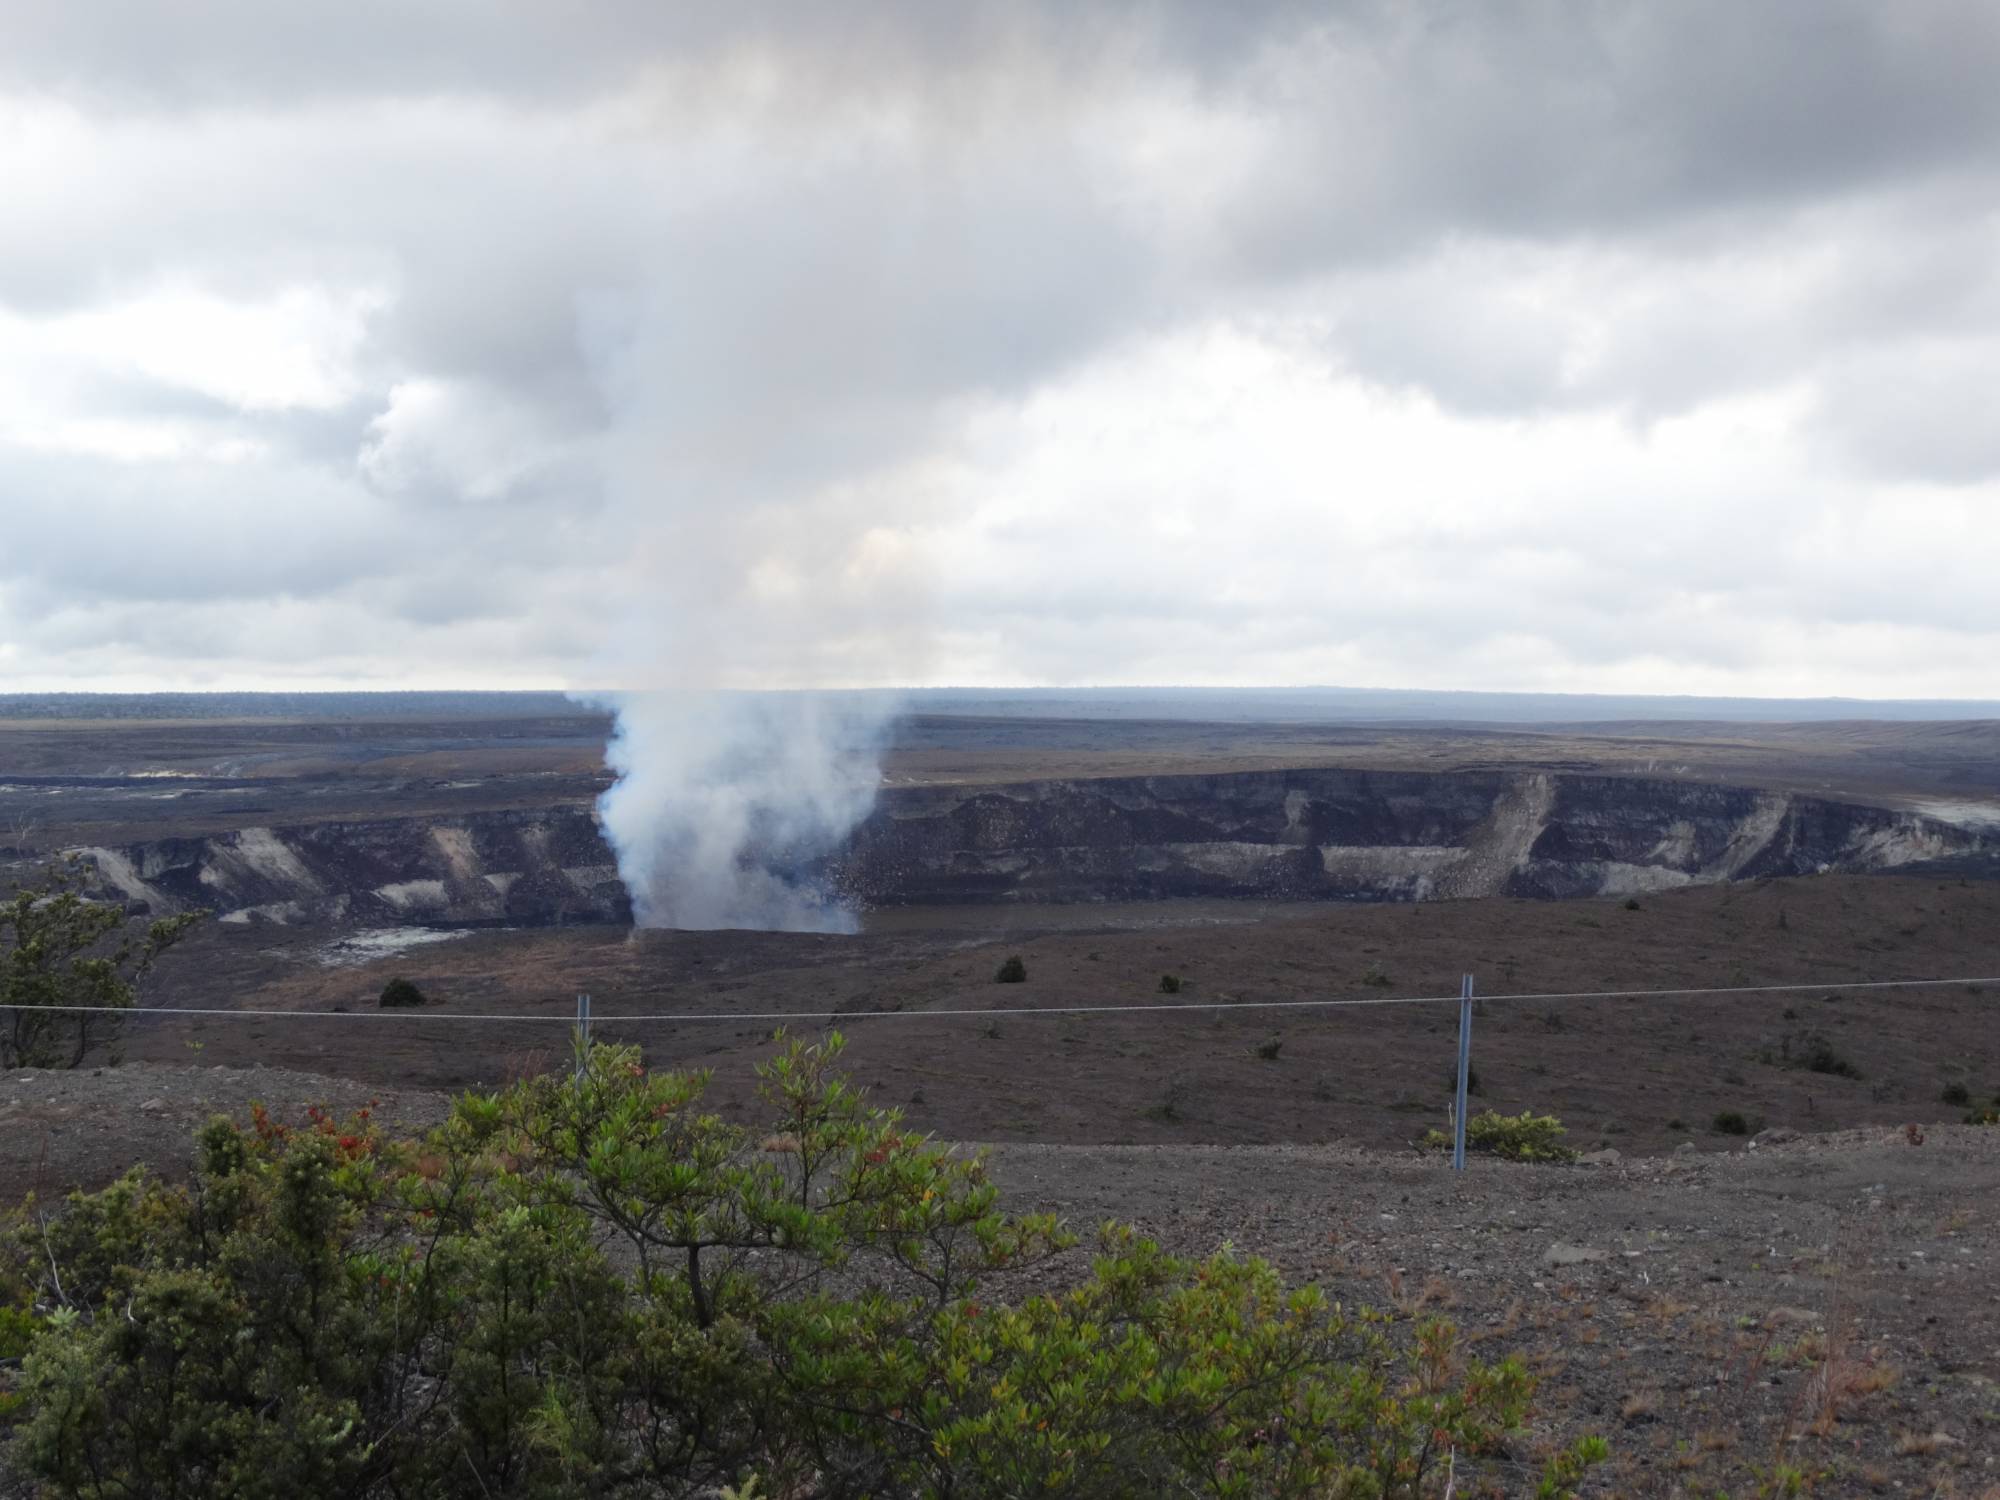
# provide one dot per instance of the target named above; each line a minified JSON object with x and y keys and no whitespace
{"x":69,"y":966}
{"x":597,"y":1287}
{"x":401,"y":993}
{"x":1523,"y":1137}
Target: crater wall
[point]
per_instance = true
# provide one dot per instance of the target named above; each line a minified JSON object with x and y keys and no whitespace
{"x":1288,"y":835}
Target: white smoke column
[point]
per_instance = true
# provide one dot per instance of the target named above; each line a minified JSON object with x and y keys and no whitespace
{"x":728,"y":805}
{"x":763,"y":577}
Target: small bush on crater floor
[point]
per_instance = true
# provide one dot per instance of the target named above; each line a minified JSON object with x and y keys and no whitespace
{"x":1013,"y":971}
{"x":401,"y":992}
{"x":1731,"y":1122}
{"x":1523,"y":1137}
{"x":1270,"y":1047}
{"x":1174,"y":1099}
{"x":1377,"y":976}
{"x":1956,"y":1093}
{"x":1818,"y":1055}
{"x":1170,"y":984}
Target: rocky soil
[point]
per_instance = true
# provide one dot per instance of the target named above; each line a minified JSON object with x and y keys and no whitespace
{"x":1831,"y":1302}
{"x":1632,"y":1074}
{"x":1828,"y":1301}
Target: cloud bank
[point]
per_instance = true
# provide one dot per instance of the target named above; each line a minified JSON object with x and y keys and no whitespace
{"x":1597,"y":346}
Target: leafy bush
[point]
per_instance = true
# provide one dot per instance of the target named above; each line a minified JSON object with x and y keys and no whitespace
{"x":17,"y":1327}
{"x":1013,"y":971}
{"x":1523,"y":1137}
{"x":1818,"y":1055}
{"x":1377,"y":976}
{"x":401,"y":992}
{"x":1170,"y":984}
{"x":60,"y":950}
{"x":599,"y":1288}
{"x":1956,"y":1093}
{"x":1812,"y":1051}
{"x":1270,"y":1047}
{"x":1731,"y":1122}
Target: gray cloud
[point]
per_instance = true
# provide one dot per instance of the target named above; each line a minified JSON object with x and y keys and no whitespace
{"x":663,"y":343}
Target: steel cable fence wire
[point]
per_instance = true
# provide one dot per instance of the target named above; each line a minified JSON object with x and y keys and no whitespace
{"x":1191,"y":1007}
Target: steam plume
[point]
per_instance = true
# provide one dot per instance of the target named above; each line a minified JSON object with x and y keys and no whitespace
{"x":729,"y":807}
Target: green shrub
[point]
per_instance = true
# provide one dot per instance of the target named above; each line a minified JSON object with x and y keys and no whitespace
{"x":401,"y":992}
{"x":1270,"y":1047}
{"x":1170,"y":984}
{"x":1731,"y":1122}
{"x":17,"y":1329}
{"x":1818,"y":1055}
{"x":1523,"y":1137}
{"x":69,"y":965}
{"x":1956,"y":1093}
{"x":1377,"y":976}
{"x":598,"y":1287}
{"x":1990,"y":1115}
{"x":1013,"y":971}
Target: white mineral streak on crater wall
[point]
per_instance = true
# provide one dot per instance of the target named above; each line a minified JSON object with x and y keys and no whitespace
{"x":1228,"y":858}
{"x":1900,"y":843}
{"x":1500,"y":845}
{"x":415,"y":895}
{"x":1677,"y":848}
{"x":1752,"y":836}
{"x":1387,"y":859}
{"x":1620,"y":879}
{"x":1296,"y":802}
{"x":264,"y":854}
{"x":276,"y":913}
{"x":455,"y":844}
{"x":119,"y":873}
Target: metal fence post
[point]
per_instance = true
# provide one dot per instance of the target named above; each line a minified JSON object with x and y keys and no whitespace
{"x":582,"y":1036}
{"x":1464,"y":1071}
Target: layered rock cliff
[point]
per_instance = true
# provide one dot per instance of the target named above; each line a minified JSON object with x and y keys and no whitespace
{"x":1293,"y":835}
{"x":540,"y":868}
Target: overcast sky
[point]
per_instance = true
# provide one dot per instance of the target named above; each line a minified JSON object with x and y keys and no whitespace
{"x":1618,"y":347}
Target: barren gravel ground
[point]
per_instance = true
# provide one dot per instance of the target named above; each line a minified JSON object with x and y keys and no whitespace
{"x":1833,"y":1301}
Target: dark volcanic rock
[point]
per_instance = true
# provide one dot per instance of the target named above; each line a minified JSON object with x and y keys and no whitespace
{"x":1288,"y":835}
